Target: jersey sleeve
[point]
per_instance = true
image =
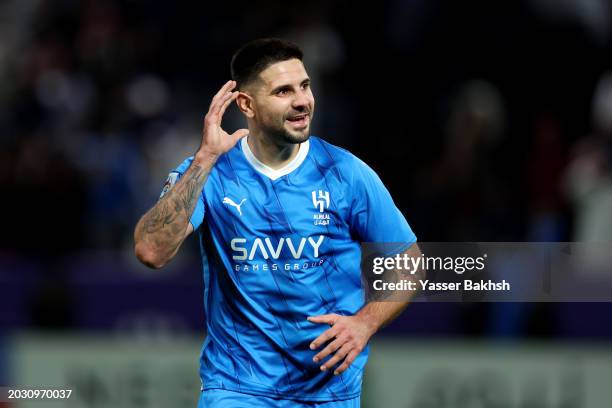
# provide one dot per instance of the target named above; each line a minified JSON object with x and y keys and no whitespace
{"x":374,"y":216}
{"x":173,"y":177}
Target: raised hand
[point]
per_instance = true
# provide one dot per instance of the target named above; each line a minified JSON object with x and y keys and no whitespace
{"x":215,"y":140}
{"x":161,"y":231}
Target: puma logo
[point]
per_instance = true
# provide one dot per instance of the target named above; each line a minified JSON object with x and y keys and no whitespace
{"x":231,"y":202}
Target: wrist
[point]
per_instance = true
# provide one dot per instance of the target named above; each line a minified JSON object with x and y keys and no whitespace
{"x":369,"y":321}
{"x":205,"y":158}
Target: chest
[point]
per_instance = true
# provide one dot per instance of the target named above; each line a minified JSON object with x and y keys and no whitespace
{"x":283,"y":207}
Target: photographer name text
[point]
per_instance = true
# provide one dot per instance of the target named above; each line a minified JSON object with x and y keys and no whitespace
{"x":427,"y":285}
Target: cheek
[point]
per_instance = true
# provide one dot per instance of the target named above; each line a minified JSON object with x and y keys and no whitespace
{"x":271,"y":115}
{"x":276,"y":112}
{"x":266,"y":112}
{"x":311,"y":99}
{"x":310,"y":94}
{"x":274,"y":115}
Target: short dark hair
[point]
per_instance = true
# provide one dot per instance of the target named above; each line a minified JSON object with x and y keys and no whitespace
{"x":254,"y":57}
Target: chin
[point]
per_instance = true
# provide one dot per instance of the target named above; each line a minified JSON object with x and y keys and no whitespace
{"x":294,"y":137}
{"x":284,"y":135}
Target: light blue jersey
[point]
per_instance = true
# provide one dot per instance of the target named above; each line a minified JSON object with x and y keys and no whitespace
{"x":279,"y":246}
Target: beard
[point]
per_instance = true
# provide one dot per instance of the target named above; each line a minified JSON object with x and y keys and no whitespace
{"x":280,"y":132}
{"x":294,"y":137}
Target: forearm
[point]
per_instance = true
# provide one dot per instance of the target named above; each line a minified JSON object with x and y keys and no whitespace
{"x":160,"y":232}
{"x":378,"y":313}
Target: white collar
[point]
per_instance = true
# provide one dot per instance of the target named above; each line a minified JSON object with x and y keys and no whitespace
{"x":270,"y":172}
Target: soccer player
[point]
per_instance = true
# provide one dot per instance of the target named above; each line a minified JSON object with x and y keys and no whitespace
{"x":280,"y":215}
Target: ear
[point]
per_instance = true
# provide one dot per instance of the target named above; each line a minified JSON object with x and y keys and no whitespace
{"x":245,"y":104}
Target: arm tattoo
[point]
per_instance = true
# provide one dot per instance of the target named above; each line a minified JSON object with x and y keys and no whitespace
{"x":165,"y":224}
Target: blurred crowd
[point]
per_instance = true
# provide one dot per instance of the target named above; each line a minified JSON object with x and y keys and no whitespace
{"x":103,"y":98}
{"x":486,"y":121}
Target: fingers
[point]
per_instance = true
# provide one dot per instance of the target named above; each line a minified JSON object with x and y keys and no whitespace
{"x":227,"y":99}
{"x":220,"y":98}
{"x":331,"y":348}
{"x":323,"y":338}
{"x":352,"y":355}
{"x":330,"y":319}
{"x":227,"y":87}
{"x":326,"y":318}
{"x":215,"y":111}
{"x":348,"y":341}
{"x":338,"y":356}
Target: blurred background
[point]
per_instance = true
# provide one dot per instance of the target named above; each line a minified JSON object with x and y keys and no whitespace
{"x":487,"y":121}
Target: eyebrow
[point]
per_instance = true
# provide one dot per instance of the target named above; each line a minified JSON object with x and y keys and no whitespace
{"x":288,"y":86}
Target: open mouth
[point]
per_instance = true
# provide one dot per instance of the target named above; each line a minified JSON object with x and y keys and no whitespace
{"x":299,"y":120}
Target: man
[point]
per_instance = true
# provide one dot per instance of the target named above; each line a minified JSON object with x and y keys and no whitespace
{"x":280,"y":217}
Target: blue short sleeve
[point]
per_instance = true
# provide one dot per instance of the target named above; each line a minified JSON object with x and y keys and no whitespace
{"x":198,"y":213}
{"x":374,"y":216}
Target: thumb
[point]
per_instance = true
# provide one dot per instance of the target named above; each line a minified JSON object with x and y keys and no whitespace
{"x":326,"y":318}
{"x":239,"y":134}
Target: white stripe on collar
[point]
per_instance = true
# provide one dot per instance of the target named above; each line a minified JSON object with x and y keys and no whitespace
{"x":270,"y":172}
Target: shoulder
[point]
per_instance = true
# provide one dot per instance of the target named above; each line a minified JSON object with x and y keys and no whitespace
{"x":333,"y":156}
{"x":350,"y":167}
{"x":354,"y":173}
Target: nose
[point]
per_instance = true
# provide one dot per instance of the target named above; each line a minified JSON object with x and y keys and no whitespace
{"x":301,"y":100}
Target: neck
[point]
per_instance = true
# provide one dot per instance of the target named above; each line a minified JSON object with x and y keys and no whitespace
{"x":270,"y":153}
